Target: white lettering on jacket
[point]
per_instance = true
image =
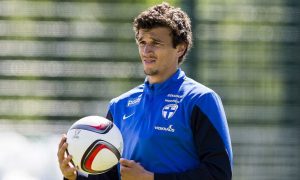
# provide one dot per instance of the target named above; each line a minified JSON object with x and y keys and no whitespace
{"x":132,"y":102}
{"x":169,"y":129}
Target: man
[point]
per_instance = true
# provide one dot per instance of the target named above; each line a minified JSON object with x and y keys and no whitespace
{"x":172,"y":126}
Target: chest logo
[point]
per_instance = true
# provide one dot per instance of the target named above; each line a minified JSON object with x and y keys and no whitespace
{"x":169,"y":110}
{"x":127,"y":116}
{"x":134,"y":101}
{"x":169,"y":129}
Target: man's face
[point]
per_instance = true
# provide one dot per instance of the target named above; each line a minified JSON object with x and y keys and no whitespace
{"x":159,"y":57}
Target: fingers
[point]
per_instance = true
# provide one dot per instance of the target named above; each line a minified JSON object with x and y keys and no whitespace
{"x":66,"y":162}
{"x":62,"y":149}
{"x":68,"y":171}
{"x":124,"y":170}
{"x":62,"y":141}
{"x":125,"y":167}
{"x":131,"y":170}
{"x":66,"y":167}
{"x":127,"y":163}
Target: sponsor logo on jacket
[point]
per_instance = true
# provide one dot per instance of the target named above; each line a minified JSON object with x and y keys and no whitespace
{"x":134,"y":101}
{"x":169,"y":129}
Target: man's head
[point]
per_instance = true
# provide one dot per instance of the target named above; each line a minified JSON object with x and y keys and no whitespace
{"x":164,"y":15}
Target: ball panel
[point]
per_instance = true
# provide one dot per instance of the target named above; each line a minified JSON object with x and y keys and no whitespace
{"x":102,"y":128}
{"x":87,"y":164}
{"x":78,"y":141}
{"x":99,"y":151}
{"x":92,"y":121}
{"x":107,"y":158}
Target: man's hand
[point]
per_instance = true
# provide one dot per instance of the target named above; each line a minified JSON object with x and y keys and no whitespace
{"x":65,"y":165}
{"x":131,"y":170}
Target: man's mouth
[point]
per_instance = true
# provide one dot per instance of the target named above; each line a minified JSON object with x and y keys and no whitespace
{"x":149,"y":61}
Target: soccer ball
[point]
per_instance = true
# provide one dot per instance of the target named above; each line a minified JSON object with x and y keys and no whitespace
{"x":95,"y":144}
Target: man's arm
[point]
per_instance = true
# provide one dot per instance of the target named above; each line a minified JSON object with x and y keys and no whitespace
{"x":211,"y":137}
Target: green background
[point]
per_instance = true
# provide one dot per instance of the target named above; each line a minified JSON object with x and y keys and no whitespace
{"x":62,"y":60}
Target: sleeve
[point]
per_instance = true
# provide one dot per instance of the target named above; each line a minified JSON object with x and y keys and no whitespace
{"x":109,"y":116}
{"x":212,"y":142}
{"x":110,"y":175}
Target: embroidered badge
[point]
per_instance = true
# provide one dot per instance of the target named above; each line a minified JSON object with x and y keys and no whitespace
{"x":169,"y":110}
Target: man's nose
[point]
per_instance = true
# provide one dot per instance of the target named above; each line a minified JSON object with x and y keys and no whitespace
{"x":148,"y":49}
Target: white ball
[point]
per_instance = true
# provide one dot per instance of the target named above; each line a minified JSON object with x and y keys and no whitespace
{"x":95,"y":144}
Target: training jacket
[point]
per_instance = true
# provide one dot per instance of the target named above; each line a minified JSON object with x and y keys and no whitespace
{"x":176,"y":129}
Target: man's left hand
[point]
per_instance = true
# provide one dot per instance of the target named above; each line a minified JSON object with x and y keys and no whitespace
{"x":131,"y":170}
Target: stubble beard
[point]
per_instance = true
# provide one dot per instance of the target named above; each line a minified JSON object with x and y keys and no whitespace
{"x":151,"y":72}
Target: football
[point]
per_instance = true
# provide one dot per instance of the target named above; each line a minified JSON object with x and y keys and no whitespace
{"x":95,"y":144}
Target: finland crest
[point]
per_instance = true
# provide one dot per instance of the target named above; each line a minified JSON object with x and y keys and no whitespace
{"x":169,"y":110}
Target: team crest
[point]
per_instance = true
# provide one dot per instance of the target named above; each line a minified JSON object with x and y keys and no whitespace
{"x":169,"y":110}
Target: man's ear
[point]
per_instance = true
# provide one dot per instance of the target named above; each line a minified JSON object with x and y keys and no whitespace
{"x":181,"y":48}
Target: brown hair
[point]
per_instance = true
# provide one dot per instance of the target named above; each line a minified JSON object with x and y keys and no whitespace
{"x":164,"y":15}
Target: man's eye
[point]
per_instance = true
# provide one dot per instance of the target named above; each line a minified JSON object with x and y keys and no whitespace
{"x":156,"y":43}
{"x":141,"y":43}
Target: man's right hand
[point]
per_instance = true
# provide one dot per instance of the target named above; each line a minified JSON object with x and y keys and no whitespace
{"x":65,"y":165}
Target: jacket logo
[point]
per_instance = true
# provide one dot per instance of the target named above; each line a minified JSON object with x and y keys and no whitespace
{"x":169,"y":129}
{"x":132,"y":102}
{"x":127,"y":116}
{"x":169,"y":110}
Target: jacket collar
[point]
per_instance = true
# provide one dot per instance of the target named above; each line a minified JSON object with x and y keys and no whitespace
{"x":157,"y":88}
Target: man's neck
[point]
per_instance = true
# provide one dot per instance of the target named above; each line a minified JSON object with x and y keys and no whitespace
{"x":159,"y":78}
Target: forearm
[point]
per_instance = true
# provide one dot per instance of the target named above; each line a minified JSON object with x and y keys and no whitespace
{"x":79,"y":176}
{"x":109,"y":175}
{"x":204,"y":172}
